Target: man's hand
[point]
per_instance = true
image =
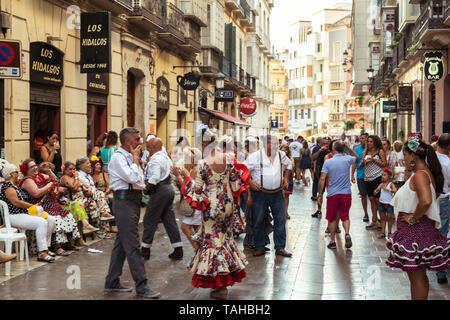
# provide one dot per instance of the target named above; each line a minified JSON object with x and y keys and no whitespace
{"x":136,"y":154}
{"x":353,"y":179}
{"x":286,"y":184}
{"x":320,"y":199}
{"x":254,"y":186}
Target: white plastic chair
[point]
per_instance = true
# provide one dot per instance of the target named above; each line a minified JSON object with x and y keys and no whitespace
{"x":9,"y":236}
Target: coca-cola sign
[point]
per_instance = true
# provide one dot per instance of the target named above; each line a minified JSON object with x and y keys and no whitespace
{"x":248,"y":107}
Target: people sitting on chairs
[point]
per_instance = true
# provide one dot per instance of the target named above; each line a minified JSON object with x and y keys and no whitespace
{"x":19,"y":204}
{"x":44,"y":190}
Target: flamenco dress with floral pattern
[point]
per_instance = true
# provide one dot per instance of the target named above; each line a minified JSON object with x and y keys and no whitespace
{"x":65,"y":222}
{"x":218,"y":263}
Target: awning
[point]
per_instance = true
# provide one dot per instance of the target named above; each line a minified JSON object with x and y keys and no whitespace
{"x":225,"y":117}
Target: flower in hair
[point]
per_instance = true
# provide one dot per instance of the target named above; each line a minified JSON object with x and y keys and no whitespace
{"x":417,"y":136}
{"x":94,"y":158}
{"x":413,"y":144}
{"x":23,"y":168}
{"x":386,"y":170}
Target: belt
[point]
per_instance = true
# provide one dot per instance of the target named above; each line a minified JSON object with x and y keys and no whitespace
{"x":271,"y":191}
{"x":128,"y":195}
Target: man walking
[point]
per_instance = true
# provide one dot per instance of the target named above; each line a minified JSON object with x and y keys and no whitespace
{"x":127,"y":182}
{"x":443,"y":152}
{"x":359,"y":150}
{"x":339,"y":194}
{"x":296,"y":146}
{"x":159,"y":187}
{"x":267,"y":183}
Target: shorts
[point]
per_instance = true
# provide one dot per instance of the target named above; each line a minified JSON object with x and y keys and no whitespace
{"x":297,"y":163}
{"x":371,"y":186}
{"x":362,"y":187}
{"x":194,"y":220}
{"x":341,"y":202}
{"x":384,"y":207}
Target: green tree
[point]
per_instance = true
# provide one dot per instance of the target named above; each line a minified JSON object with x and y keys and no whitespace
{"x":349,"y":124}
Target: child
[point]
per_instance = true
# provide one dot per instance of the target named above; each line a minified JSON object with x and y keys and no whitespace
{"x":290,"y":188}
{"x":387,"y":189}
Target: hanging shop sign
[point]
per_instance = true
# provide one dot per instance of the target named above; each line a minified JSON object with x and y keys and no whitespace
{"x":405,"y":98}
{"x":225,"y":95}
{"x":248,"y":107}
{"x":46,"y":64}
{"x":389,"y":106}
{"x":95,"y":56}
{"x":162,"y":93}
{"x":10,"y":59}
{"x":190,"y":81}
{"x":433,"y":66}
{"x":98,"y":82}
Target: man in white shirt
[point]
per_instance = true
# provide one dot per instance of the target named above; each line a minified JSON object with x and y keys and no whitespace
{"x":127,"y":182}
{"x":159,"y":188}
{"x":296,"y":146}
{"x":443,"y":152}
{"x":267,"y":183}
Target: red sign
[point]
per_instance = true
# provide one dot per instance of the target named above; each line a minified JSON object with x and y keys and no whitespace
{"x":248,"y":107}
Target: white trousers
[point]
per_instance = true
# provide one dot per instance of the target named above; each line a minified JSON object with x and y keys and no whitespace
{"x":43,"y":227}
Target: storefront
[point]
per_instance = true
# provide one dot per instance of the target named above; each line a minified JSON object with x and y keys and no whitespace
{"x":97,"y":103}
{"x":46,"y":79}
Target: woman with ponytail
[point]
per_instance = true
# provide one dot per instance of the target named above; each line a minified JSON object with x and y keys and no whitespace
{"x":417,"y":244}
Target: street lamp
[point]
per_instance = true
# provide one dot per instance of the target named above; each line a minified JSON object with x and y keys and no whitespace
{"x":220,"y":80}
{"x":370,"y":72}
{"x":345,"y":54}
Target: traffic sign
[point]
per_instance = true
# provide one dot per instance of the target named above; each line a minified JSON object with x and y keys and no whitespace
{"x":10,"y":59}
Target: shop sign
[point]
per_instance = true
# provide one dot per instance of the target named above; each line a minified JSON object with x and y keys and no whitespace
{"x":95,"y":42}
{"x":10,"y":59}
{"x":190,"y":81}
{"x":46,"y":64}
{"x":433,"y":66}
{"x":405,"y":98}
{"x":98,"y":82}
{"x":162,"y":93}
{"x":389,"y":106}
{"x":248,"y":107}
{"x":225,"y":95}
{"x":25,"y":125}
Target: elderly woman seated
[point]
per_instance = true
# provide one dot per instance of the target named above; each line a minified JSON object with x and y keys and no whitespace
{"x":44,"y":191}
{"x":83,"y":190}
{"x":20,"y":205}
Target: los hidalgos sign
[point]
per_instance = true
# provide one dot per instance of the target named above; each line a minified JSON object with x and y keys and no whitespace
{"x":46,"y":64}
{"x":248,"y":107}
{"x":433,"y":66}
{"x":95,"y":56}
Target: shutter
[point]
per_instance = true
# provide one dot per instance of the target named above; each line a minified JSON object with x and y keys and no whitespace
{"x":233,"y":45}
{"x":45,"y":94}
{"x":228,"y":40}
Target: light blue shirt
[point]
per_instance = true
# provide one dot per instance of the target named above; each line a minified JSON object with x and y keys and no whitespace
{"x":338,"y":170}
{"x":359,"y":150}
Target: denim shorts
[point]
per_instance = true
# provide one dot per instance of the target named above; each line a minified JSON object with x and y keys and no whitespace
{"x":386,"y":208}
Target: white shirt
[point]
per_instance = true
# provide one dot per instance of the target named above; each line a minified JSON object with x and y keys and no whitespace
{"x":295,"y":148}
{"x":272,"y":178}
{"x":158,"y":168}
{"x":145,"y":154}
{"x":445,"y":164}
{"x":123,"y":172}
{"x":87,"y":180}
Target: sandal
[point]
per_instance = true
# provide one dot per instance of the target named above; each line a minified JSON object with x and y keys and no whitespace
{"x":372,"y":226}
{"x":382,"y":236}
{"x":62,"y":253}
{"x":44,"y":257}
{"x":51,"y":254}
{"x":366,"y":219}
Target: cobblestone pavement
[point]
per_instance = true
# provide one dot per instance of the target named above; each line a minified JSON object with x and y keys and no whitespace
{"x":313,"y":272}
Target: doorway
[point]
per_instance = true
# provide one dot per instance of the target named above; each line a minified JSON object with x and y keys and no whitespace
{"x":131,"y":99}
{"x":161,"y":125}
{"x":96,"y":122}
{"x":43,"y":118}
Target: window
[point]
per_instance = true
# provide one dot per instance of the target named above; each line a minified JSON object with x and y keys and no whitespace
{"x":321,"y":67}
{"x":319,"y":47}
{"x":297,"y":73}
{"x":303,"y":72}
{"x":336,"y":105}
{"x":304,"y":92}
{"x":296,"y":114}
{"x":309,"y":113}
{"x":295,"y":54}
{"x":337,"y":52}
{"x":302,"y":113}
{"x":321,"y":89}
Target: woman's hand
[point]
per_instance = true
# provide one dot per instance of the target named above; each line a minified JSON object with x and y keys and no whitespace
{"x":406,"y":217}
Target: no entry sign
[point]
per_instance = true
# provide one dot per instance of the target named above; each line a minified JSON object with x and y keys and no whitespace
{"x":10,"y":59}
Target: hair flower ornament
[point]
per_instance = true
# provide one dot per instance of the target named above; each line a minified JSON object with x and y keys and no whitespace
{"x":413,"y":144}
{"x":23,"y":168}
{"x":94,"y":158}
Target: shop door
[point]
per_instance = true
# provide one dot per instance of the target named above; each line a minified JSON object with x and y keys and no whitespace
{"x":131,"y":86}
{"x":42,"y":119}
{"x":96,"y":122}
{"x":161,"y":125}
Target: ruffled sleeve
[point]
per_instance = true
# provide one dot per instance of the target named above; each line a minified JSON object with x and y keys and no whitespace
{"x":239,"y":179}
{"x":194,"y":191}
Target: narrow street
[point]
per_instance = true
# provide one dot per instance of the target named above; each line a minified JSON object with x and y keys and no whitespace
{"x":313,"y":273}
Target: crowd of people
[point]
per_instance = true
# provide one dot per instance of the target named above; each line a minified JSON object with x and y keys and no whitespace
{"x":232,"y":189}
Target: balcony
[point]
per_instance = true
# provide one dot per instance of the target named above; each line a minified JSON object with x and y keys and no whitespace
{"x":115,"y":6}
{"x":318,"y":77}
{"x":192,"y":43}
{"x":211,"y":63}
{"x":387,"y":69}
{"x":224,"y":65}
{"x":430,"y":24}
{"x":245,"y":19}
{"x":174,"y":28}
{"x":231,"y":5}
{"x":148,"y":14}
{"x":195,"y":10}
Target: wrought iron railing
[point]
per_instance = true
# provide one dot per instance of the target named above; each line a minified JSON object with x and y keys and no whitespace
{"x":233,"y":71}
{"x":224,"y":65}
{"x":246,"y":9}
{"x":152,"y":9}
{"x":431,"y":18}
